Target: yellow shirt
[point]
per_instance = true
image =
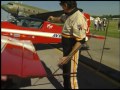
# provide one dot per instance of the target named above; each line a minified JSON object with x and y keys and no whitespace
{"x":74,"y":26}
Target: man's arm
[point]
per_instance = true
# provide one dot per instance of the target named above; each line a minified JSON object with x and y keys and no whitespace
{"x":65,"y":59}
{"x":54,"y":19}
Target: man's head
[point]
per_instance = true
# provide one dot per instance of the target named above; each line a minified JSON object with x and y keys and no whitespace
{"x":68,"y":5}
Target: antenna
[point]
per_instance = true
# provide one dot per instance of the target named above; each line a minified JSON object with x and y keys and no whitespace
{"x":8,"y":16}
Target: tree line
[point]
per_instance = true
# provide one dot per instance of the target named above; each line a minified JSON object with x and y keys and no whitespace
{"x":107,"y":16}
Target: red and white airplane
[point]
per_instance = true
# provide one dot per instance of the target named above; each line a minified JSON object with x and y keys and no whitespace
{"x":19,"y":58}
{"x":36,"y":30}
{"x":17,"y":50}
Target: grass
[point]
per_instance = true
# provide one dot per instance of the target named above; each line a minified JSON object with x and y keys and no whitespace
{"x":112,"y":29}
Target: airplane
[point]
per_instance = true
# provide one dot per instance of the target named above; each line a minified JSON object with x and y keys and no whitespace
{"x":17,"y":9}
{"x":29,"y":11}
{"x":36,"y":30}
{"x":20,"y":9}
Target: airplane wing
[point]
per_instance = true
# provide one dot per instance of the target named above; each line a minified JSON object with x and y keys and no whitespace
{"x":96,"y":36}
{"x":19,"y":58}
{"x":44,"y":16}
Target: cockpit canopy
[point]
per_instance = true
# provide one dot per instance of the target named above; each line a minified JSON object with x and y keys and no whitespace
{"x":26,"y":22}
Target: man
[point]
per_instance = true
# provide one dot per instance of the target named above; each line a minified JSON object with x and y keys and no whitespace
{"x":96,"y":23}
{"x":73,"y":35}
{"x":104,"y":24}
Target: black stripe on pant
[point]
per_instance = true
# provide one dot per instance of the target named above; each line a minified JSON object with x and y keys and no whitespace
{"x":67,"y":44}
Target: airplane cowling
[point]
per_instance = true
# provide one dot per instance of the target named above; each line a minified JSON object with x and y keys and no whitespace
{"x":19,"y":58}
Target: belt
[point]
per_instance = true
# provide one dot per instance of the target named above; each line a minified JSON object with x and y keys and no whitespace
{"x":71,"y":36}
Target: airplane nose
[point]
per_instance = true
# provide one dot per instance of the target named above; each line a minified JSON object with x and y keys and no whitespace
{"x":4,"y":7}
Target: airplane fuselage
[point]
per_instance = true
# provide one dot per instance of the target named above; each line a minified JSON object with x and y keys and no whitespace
{"x":45,"y":32}
{"x":21,"y":9}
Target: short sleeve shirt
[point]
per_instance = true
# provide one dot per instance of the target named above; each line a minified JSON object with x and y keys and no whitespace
{"x":75,"y":25}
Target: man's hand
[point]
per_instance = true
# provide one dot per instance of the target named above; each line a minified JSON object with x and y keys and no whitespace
{"x":50,"y":18}
{"x":62,"y":61}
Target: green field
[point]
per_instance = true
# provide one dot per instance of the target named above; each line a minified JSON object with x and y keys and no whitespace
{"x":112,"y":29}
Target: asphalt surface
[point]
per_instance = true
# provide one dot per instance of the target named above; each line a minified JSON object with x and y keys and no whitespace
{"x":91,"y":69}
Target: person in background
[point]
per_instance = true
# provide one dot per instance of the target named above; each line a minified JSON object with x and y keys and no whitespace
{"x":119,"y":25}
{"x":104,"y":24}
{"x":73,"y":36}
{"x":95,"y":23}
{"x":100,"y":24}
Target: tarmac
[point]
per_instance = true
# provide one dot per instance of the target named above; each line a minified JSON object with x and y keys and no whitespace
{"x":99,"y":67}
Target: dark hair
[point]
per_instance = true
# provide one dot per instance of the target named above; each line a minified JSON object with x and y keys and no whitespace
{"x":81,"y":10}
{"x":70,"y":4}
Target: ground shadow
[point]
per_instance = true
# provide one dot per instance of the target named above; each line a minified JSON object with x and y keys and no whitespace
{"x":51,"y":78}
{"x":101,"y":67}
{"x":47,"y":46}
{"x":89,"y":78}
{"x":15,"y":83}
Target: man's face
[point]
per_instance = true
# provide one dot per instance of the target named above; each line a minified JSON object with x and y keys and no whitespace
{"x":64,"y":7}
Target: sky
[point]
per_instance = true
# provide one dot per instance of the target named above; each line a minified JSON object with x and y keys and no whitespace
{"x":98,"y":8}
